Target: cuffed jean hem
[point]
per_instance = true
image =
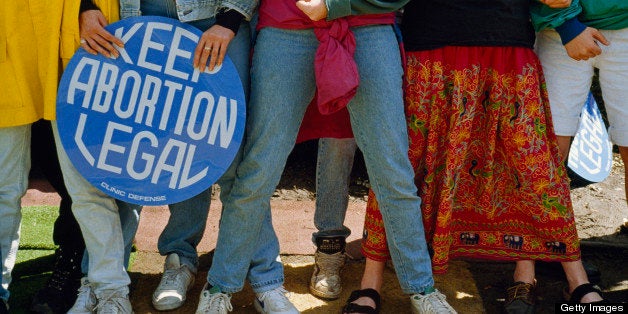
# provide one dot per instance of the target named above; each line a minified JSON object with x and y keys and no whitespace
{"x":223,"y":288}
{"x":331,"y":233}
{"x":191,"y":264}
{"x":267,"y":286}
{"x":105,"y":293}
{"x":415,"y":290}
{"x":257,"y":287}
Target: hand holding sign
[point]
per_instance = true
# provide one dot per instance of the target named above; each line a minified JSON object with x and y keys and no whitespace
{"x":147,"y":127}
{"x":213,"y":45}
{"x":94,"y":37}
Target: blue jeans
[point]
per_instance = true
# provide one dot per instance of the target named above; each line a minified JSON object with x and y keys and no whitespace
{"x":15,"y":163}
{"x":129,"y":222}
{"x":188,"y":218}
{"x":282,"y":86}
{"x":99,"y":216}
{"x":333,"y":171}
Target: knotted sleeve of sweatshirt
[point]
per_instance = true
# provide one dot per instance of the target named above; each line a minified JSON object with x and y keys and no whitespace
{"x":337,"y":77}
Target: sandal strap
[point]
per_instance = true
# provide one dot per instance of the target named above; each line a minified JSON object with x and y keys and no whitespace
{"x":582,"y":290}
{"x":355,"y":308}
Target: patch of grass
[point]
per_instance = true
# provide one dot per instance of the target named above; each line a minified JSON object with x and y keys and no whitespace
{"x":35,"y":256}
{"x":37,"y":225}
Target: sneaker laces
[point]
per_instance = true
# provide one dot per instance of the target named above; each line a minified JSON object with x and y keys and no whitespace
{"x":216,"y":302}
{"x":438,"y":301}
{"x":169,"y":279}
{"x":84,"y":293}
{"x":330,"y":264}
{"x":277,"y":298}
{"x":111,"y":302}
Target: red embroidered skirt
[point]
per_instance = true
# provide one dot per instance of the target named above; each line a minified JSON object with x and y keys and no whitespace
{"x":486,"y":160}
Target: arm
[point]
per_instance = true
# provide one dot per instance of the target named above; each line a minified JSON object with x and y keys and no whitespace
{"x":580,"y":41}
{"x":94,"y":38}
{"x":543,"y":16}
{"x":333,"y":9}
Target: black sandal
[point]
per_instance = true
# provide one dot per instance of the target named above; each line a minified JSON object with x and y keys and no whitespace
{"x":356,"y":308}
{"x":582,"y":290}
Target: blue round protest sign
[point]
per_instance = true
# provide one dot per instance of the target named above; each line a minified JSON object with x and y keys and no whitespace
{"x":147,"y":127}
{"x":591,"y":153}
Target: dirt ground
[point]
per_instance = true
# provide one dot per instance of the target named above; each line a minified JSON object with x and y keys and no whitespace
{"x":471,"y":286}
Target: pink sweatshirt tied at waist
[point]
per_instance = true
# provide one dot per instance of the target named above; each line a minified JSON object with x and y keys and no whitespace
{"x":336,"y":72}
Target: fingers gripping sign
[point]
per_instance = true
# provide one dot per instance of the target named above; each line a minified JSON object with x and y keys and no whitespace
{"x":212,"y":47}
{"x":95,"y":39}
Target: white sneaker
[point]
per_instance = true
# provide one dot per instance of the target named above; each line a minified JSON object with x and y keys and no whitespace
{"x":325,"y":281}
{"x":175,"y":282}
{"x":274,"y":302}
{"x":431,"y":303}
{"x":214,"y":302}
{"x":114,"y":302}
{"x":86,"y":300}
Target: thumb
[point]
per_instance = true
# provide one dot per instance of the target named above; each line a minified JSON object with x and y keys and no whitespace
{"x":600,"y":37}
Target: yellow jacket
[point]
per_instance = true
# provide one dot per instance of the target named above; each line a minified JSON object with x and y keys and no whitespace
{"x":37,"y":38}
{"x":29,"y":66}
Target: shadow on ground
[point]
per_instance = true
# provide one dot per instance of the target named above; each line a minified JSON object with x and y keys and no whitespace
{"x":470,"y":286}
{"x":492,"y":279}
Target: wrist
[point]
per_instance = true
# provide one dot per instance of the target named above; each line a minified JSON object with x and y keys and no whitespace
{"x":570,"y":30}
{"x":230,"y":19}
{"x":87,"y":5}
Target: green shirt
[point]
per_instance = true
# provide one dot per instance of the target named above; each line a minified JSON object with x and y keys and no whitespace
{"x":600,"y":14}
